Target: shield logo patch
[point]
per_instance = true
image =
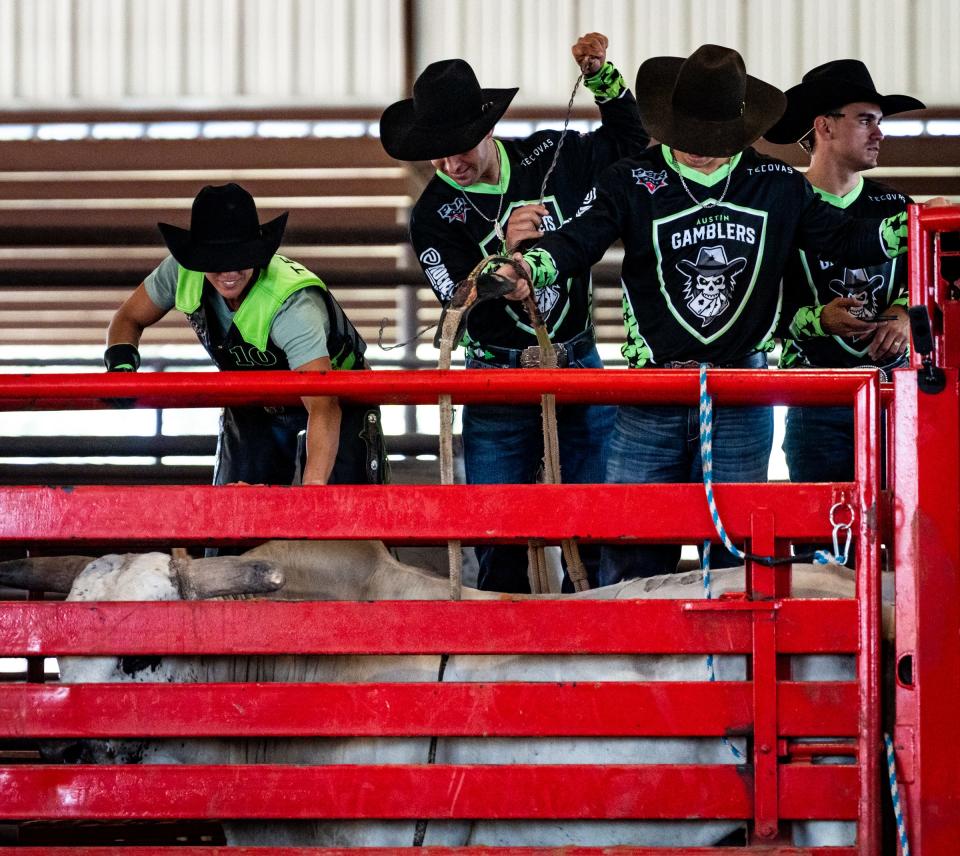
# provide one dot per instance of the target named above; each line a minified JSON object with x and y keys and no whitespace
{"x":707,"y":262}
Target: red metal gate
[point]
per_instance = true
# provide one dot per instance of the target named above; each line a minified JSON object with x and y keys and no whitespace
{"x":777,"y":785}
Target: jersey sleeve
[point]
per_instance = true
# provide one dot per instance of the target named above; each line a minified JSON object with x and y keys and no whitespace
{"x":300,"y":328}
{"x":161,"y":283}
{"x":444,"y":259}
{"x":580,"y":243}
{"x":833,"y":234}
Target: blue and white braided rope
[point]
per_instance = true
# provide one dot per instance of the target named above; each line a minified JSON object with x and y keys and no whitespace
{"x":821,"y":557}
{"x":895,"y":796}
{"x":711,"y":672}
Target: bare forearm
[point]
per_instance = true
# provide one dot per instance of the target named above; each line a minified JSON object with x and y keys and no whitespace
{"x":323,"y":439}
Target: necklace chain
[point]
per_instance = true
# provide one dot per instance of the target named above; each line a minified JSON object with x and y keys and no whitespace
{"x":497,"y":228}
{"x":710,"y":203}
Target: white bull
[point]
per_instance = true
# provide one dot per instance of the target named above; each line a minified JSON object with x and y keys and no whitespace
{"x":366,"y":571}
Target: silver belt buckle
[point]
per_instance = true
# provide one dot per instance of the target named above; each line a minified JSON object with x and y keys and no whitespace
{"x":530,"y":357}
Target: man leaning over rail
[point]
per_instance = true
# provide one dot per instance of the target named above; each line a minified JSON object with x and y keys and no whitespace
{"x":707,"y":225}
{"x":836,"y":316}
{"x":253,"y":309}
{"x":488,"y":195}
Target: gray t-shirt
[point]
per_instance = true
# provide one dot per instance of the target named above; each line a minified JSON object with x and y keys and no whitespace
{"x":300,"y":327}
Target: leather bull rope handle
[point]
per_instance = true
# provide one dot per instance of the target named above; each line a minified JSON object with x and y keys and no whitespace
{"x":474,"y":289}
{"x":551,"y":462}
{"x":452,"y":322}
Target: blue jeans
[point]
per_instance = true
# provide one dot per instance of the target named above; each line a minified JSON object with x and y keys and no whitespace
{"x":818,"y":444}
{"x":503,"y":444}
{"x":653,"y":445}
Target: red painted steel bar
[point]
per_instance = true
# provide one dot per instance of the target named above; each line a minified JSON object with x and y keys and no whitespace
{"x":615,"y":791}
{"x":927,"y":558}
{"x":866,"y":509}
{"x":402,"y":514}
{"x":611,"y":386}
{"x":434,"y":851}
{"x":414,"y":627}
{"x":416,"y":709}
{"x":766,"y":822}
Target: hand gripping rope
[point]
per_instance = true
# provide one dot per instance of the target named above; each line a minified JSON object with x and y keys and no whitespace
{"x":478,"y":286}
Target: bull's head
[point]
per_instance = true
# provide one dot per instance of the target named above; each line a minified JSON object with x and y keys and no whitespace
{"x":221,"y":576}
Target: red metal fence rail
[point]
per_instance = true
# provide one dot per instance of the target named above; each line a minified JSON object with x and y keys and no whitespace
{"x":766,"y":626}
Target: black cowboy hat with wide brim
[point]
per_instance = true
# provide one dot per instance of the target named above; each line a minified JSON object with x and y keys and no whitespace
{"x":225,"y":232}
{"x":449,"y":113}
{"x":828,"y":87}
{"x":705,"y":104}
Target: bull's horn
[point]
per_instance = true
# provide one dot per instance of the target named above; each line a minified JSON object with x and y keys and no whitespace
{"x":220,"y":576}
{"x":42,"y":573}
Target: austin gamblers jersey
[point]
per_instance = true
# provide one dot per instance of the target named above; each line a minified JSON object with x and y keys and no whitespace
{"x":704,"y":254}
{"x":451,"y":228}
{"x":811,"y":281}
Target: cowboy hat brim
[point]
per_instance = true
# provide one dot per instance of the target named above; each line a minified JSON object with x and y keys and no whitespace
{"x":405,"y":140}
{"x":693,"y":268}
{"x":213,"y":257}
{"x":806,"y":101}
{"x":656,"y":77}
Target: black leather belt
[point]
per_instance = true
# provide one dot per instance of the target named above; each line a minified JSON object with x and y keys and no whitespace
{"x":514,"y":358}
{"x":695,"y":364}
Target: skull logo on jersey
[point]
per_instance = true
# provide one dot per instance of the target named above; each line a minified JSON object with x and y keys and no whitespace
{"x":858,"y":284}
{"x":651,"y":180}
{"x":455,"y":211}
{"x":711,"y":282}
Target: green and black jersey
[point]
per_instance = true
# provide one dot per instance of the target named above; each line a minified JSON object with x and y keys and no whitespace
{"x":451,"y":228}
{"x":704,"y":254}
{"x":811,"y":281}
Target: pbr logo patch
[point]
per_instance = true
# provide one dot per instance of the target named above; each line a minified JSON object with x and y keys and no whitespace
{"x":455,"y":211}
{"x":649,"y":179}
{"x":707,"y":265}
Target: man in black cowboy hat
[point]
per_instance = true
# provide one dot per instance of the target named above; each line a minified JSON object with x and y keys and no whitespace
{"x":701,"y":195}
{"x":835,"y":316}
{"x":253,"y":309}
{"x":487,"y":196}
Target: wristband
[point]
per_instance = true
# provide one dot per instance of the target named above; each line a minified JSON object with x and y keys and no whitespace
{"x":121,"y":358}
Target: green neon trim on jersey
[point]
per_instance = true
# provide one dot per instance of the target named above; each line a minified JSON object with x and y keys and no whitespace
{"x":606,"y":84}
{"x":543,"y":268}
{"x":636,"y":351}
{"x":719,"y":174}
{"x":758,"y":264}
{"x":254,"y":318}
{"x":893,"y":234}
{"x":844,"y":201}
{"x":480,"y":187}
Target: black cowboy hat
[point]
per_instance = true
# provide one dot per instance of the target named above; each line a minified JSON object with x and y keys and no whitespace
{"x":448,"y":114}
{"x":225,"y":232}
{"x":827,"y":87}
{"x":712,"y":261}
{"x":705,"y":104}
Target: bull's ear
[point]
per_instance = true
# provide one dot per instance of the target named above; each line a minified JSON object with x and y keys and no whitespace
{"x":221,"y":576}
{"x":43,"y":573}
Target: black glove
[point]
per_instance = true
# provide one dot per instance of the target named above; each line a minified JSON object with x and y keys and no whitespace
{"x":121,"y":358}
